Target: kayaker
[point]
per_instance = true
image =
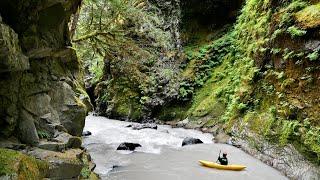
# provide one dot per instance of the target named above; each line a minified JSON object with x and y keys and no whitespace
{"x":223,"y":160}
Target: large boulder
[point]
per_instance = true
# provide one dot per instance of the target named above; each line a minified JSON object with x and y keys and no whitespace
{"x":66,"y":165}
{"x":27,"y":131}
{"x":72,"y":111}
{"x":61,"y":142}
{"x":190,"y":141}
{"x":16,"y":165}
{"x":128,"y":146}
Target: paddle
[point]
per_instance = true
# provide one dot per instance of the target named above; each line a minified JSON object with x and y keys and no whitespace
{"x":219,"y":156}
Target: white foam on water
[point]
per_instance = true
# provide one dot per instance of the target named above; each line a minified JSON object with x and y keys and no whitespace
{"x":113,"y":133}
{"x":161,"y":155}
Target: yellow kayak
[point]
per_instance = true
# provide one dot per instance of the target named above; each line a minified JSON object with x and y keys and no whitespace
{"x":233,"y":167}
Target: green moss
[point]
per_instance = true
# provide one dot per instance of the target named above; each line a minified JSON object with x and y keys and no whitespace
{"x":173,"y":112}
{"x":18,"y":165}
{"x":312,"y":140}
{"x":309,"y":17}
{"x":288,"y":128}
{"x":313,"y":56}
{"x":296,"y":32}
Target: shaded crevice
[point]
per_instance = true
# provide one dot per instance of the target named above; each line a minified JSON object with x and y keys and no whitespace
{"x":90,"y":91}
{"x":205,"y":16}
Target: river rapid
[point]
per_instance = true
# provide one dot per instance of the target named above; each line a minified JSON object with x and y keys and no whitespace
{"x":161,"y":156}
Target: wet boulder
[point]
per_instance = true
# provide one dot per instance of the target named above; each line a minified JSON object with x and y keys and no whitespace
{"x":86,"y":133}
{"x":143,"y":126}
{"x":128,"y":146}
{"x":190,"y":141}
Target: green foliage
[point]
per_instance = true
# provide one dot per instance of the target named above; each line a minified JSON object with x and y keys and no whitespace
{"x":288,"y":128}
{"x":313,"y":56}
{"x":202,"y":61}
{"x":43,"y":134}
{"x":287,"y":54}
{"x":144,"y":99}
{"x":85,"y":172}
{"x":287,"y":13}
{"x":230,"y":82}
{"x":312,"y":140}
{"x":296,"y":32}
{"x":126,"y":44}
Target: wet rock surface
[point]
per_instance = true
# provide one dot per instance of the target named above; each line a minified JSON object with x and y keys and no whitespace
{"x":190,"y":141}
{"x":86,"y":133}
{"x":128,"y":146}
{"x":143,"y":126}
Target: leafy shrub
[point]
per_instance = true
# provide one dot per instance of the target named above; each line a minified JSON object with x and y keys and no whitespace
{"x":313,"y":56}
{"x":288,"y":128}
{"x":43,"y":134}
{"x":296,"y":32}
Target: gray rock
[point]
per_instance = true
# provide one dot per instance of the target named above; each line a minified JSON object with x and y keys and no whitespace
{"x":86,"y":133}
{"x":52,"y":146}
{"x":27,"y":130}
{"x":143,"y":126}
{"x":61,"y":142}
{"x":66,"y":165}
{"x":222,"y":138}
{"x":69,"y":140}
{"x":285,"y":159}
{"x":313,"y":45}
{"x":11,"y":143}
{"x":71,"y":113}
{"x":74,"y":142}
{"x":183,"y":123}
{"x":190,"y":141}
{"x":11,"y":56}
{"x":128,"y":146}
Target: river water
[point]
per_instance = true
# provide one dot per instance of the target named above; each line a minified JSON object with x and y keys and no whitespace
{"x":161,"y":156}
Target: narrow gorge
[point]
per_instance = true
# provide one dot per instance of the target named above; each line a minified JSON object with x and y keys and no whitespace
{"x":245,"y":72}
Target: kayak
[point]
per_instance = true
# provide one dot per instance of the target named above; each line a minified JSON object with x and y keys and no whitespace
{"x":233,"y":167}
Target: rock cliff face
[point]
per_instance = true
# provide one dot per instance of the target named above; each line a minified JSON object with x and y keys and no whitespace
{"x":259,"y":81}
{"x":41,"y":95}
{"x":39,"y":71}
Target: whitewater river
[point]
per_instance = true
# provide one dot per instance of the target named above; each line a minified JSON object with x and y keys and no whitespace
{"x":161,"y":156}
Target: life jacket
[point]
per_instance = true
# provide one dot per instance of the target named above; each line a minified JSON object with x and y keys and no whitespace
{"x":223,"y":160}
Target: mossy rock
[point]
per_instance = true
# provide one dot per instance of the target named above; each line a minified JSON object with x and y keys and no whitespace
{"x":16,"y":165}
{"x":309,"y":17}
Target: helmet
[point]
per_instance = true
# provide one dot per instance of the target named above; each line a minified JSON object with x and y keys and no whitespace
{"x":224,"y":154}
